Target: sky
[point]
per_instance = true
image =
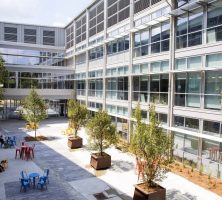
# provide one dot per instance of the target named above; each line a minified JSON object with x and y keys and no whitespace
{"x":41,"y":12}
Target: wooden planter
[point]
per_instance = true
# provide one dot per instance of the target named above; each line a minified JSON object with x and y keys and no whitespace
{"x":74,"y":143}
{"x":100,"y":162}
{"x":158,"y":193}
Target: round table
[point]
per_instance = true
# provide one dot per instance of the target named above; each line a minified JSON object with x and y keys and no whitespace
{"x":33,"y":176}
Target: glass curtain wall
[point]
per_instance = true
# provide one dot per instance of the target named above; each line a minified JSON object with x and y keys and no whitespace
{"x":188,"y":89}
{"x":154,"y":40}
{"x":117,"y":88}
{"x":95,"y":88}
{"x":189,"y":29}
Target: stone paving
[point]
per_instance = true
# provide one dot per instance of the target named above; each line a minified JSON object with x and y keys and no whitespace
{"x":71,"y":176}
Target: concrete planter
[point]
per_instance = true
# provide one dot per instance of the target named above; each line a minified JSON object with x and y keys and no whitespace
{"x":100,"y":162}
{"x":159,"y":193}
{"x":74,"y":143}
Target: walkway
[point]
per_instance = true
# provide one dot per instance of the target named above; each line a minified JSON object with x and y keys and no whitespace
{"x":71,"y":176}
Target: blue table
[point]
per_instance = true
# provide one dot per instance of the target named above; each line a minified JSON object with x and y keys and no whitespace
{"x":33,"y":176}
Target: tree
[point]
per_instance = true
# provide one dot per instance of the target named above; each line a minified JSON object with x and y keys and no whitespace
{"x":149,"y":142}
{"x":77,"y":114}
{"x":3,"y":76}
{"x":34,"y":109}
{"x":102,"y":133}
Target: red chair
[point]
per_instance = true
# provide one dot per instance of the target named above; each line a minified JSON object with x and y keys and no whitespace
{"x":17,"y":151}
{"x":28,"y":153}
{"x":32,"y":150}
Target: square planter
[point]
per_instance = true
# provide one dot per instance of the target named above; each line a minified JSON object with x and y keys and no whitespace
{"x":74,"y":143}
{"x":100,"y":162}
{"x":158,"y":193}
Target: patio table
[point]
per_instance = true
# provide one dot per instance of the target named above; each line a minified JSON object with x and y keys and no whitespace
{"x":33,"y":176}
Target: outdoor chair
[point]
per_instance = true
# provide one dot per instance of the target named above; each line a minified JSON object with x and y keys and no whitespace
{"x":24,"y":176}
{"x":45,"y":175}
{"x":42,"y":183}
{"x":24,"y":184}
{"x":17,"y":152}
{"x":28,"y":153}
{"x":32,"y":150}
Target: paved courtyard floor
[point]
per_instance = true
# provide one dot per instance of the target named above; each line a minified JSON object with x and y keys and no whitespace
{"x":71,"y":176}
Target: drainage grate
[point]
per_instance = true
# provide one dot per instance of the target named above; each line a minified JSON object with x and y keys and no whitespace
{"x":100,"y":196}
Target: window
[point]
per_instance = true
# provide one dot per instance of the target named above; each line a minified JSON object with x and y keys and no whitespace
{"x":81,"y":29}
{"x":140,"y":68}
{"x":48,"y":37}
{"x":10,"y":34}
{"x":119,"y":45}
{"x":95,"y":88}
{"x":80,"y":59}
{"x":140,"y":5}
{"x":187,"y":89}
{"x":159,"y":66}
{"x":214,"y":24}
{"x":96,"y":19}
{"x":188,"y":63}
{"x":118,"y":11}
{"x":117,"y":88}
{"x":211,"y":128}
{"x":213,"y":88}
{"x":30,"y":36}
{"x":189,"y":29}
{"x":96,"y":53}
{"x":159,"y":40}
{"x":186,"y":123}
{"x":140,"y":88}
{"x":70,"y":36}
{"x":159,"y":88}
{"x":214,"y":60}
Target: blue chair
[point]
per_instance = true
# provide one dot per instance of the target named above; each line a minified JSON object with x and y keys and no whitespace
{"x":24,"y":176}
{"x":42,"y":183}
{"x":14,"y":140}
{"x":24,"y":184}
{"x":45,"y":175}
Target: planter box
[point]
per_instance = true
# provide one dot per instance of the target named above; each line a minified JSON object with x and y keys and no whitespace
{"x":100,"y":162}
{"x":159,"y":193}
{"x":74,"y":143}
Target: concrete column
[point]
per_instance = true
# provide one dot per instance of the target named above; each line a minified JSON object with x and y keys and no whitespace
{"x":171,"y":86}
{"x":16,"y":80}
{"x":87,"y":57}
{"x":104,"y":55}
{"x":130,"y":77}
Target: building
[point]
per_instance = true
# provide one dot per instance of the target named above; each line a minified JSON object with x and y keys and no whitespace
{"x":118,"y":52}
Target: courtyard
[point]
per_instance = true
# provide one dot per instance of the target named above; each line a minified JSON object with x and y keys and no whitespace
{"x":71,"y":176}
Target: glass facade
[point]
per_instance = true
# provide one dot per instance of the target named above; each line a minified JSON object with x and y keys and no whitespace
{"x":189,"y":29}
{"x":187,"y":89}
{"x":117,"y":88}
{"x":31,"y":57}
{"x":119,"y":45}
{"x":96,"y":53}
{"x":153,"y":40}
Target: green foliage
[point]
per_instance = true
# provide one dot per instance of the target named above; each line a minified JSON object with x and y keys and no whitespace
{"x":34,"y":109}
{"x":102,"y":133}
{"x":3,"y":77}
{"x":77,"y":114}
{"x":149,"y":142}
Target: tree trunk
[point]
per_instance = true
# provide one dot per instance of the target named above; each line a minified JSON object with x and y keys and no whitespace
{"x":101,"y":145}
{"x":35,"y":131}
{"x":75,"y":133}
